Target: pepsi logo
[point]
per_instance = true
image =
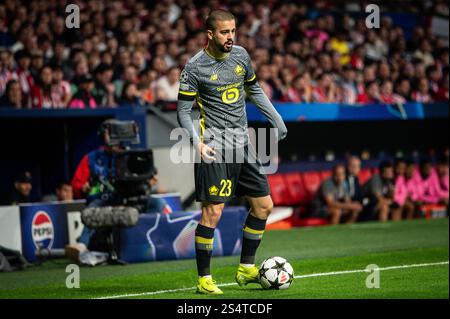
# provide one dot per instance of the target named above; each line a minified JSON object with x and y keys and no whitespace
{"x":42,"y":230}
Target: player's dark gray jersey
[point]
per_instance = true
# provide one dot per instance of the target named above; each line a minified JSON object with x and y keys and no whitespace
{"x":218,"y":87}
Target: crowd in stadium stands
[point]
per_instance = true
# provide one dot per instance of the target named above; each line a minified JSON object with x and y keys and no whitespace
{"x":399,"y":190}
{"x":130,"y":53}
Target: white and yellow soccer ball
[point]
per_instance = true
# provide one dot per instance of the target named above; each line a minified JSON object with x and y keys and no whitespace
{"x":276,"y":273}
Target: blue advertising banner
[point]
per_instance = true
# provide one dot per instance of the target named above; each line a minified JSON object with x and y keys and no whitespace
{"x":43,"y":226}
{"x":173,"y":201}
{"x":297,"y":112}
{"x":171,"y":236}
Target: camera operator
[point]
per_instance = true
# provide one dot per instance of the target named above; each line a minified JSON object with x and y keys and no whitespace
{"x":93,"y":180}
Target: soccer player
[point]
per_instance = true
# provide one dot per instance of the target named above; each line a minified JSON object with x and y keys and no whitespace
{"x":218,"y":77}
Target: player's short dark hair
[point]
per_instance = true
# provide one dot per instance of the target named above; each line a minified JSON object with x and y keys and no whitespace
{"x":215,"y":15}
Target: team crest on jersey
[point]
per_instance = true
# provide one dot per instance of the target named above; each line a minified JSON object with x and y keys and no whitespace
{"x":213,"y":190}
{"x":214,"y":77}
{"x":239,"y":70}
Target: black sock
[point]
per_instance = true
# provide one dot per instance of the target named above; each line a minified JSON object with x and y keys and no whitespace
{"x":204,"y":238}
{"x":253,"y":232}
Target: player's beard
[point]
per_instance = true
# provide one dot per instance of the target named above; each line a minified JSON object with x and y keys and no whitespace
{"x":223,"y":47}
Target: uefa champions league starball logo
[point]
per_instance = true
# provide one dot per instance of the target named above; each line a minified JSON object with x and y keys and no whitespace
{"x":42,"y":230}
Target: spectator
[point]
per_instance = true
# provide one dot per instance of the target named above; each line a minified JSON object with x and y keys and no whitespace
{"x":339,"y":44}
{"x":264,"y":80}
{"x":12,"y":96}
{"x":371,"y":95}
{"x":442,"y":93}
{"x":81,"y":70}
{"x":325,"y":91}
{"x":333,"y":199}
{"x":433,"y":75}
{"x":41,"y":93}
{"x":61,"y":90}
{"x":104,"y":88}
{"x":129,"y":75}
{"x":399,"y":167}
{"x":386,"y":93}
{"x":84,"y":98}
{"x":147,"y":85}
{"x":375,"y":49}
{"x":380,"y":190}
{"x":443,"y":175}
{"x":405,"y":186}
{"x":131,"y":97}
{"x":21,"y":191}
{"x":352,"y":179}
{"x":5,"y":70}
{"x":22,"y":73}
{"x":168,"y":85}
{"x":349,"y":89}
{"x":36,"y":63}
{"x":60,"y":56}
{"x":300,"y":91}
{"x":424,"y":53}
{"x":403,"y":90}
{"x":431,"y":188}
{"x":63,"y":193}
{"x":422,"y":94}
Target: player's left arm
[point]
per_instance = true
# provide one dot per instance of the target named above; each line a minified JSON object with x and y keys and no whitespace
{"x":260,"y":99}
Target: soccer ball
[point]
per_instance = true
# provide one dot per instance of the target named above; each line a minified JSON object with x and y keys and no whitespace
{"x":276,"y":273}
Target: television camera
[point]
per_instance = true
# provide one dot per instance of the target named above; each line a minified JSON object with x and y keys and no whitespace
{"x":124,"y":189}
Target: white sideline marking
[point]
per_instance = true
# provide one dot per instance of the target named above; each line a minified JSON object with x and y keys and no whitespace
{"x":334,"y":273}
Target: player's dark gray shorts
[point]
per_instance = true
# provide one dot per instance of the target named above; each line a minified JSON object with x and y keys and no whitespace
{"x":219,"y":182}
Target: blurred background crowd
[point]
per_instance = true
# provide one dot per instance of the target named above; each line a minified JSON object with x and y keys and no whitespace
{"x":130,"y":53}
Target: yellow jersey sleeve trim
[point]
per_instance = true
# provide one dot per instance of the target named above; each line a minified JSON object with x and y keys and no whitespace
{"x":188,"y":93}
{"x":252,"y":78}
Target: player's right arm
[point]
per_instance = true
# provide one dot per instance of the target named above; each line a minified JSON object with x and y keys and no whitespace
{"x":186,"y":96}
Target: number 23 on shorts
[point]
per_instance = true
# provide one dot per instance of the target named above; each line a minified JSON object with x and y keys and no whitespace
{"x":225,"y":189}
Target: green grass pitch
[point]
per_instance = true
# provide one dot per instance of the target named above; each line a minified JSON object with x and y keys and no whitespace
{"x":310,"y":250}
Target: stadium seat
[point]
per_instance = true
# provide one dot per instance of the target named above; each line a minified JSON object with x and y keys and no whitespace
{"x":325,"y":174}
{"x":279,"y":191}
{"x":311,"y":181}
{"x":295,"y":188}
{"x":364,"y":175}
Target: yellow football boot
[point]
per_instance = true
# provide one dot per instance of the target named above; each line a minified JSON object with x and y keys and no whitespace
{"x":206,"y":285}
{"x":246,"y":275}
